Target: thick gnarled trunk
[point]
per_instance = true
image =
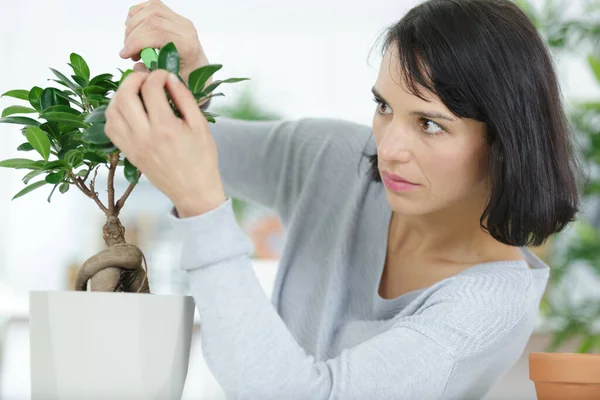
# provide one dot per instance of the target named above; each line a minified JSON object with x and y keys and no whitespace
{"x":121,"y":267}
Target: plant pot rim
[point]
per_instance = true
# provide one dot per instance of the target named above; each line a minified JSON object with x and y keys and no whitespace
{"x":580,"y":368}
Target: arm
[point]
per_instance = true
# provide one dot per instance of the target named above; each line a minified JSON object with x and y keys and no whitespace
{"x":253,"y":355}
{"x":268,"y":162}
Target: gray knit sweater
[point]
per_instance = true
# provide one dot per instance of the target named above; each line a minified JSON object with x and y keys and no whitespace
{"x":326,"y":333}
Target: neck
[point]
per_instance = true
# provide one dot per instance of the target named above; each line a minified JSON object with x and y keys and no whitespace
{"x":453,"y":232}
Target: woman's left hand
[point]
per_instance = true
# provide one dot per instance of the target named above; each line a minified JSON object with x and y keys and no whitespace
{"x":177,"y":155}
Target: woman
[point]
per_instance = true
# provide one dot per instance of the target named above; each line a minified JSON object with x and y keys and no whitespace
{"x":417,"y":287}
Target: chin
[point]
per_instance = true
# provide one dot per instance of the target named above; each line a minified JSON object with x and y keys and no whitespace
{"x":409,"y":206}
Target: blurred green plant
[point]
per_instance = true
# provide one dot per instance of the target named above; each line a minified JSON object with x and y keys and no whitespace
{"x":579,"y":36}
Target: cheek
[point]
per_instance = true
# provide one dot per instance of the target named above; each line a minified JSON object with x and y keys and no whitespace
{"x":451,"y":174}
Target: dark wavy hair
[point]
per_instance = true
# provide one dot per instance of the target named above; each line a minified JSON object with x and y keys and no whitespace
{"x":486,"y":61}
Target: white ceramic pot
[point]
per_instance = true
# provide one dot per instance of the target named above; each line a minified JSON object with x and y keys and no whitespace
{"x":98,"y":345}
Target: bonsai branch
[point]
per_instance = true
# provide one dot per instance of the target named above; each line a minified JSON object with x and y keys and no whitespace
{"x":89,"y":192}
{"x":122,"y":200}
{"x":114,"y":162}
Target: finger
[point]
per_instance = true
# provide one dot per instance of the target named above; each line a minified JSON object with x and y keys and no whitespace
{"x":140,"y":67}
{"x":134,"y":10}
{"x":132,"y":110}
{"x":149,"y":10}
{"x":126,"y":101}
{"x":153,"y":92}
{"x":185,"y":101}
{"x":116,"y":128}
{"x":154,"y":33}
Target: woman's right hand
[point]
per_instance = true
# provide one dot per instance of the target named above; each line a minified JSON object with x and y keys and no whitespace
{"x":153,"y":24}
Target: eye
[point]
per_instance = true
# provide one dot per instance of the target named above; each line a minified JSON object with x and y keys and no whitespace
{"x":431,"y":128}
{"x":379,"y":105}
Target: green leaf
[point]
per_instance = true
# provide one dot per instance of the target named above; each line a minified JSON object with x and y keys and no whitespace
{"x":90,"y":90}
{"x":217,"y":83}
{"x":107,"y":85}
{"x":39,"y":140}
{"x":62,"y":108}
{"x":595,"y":65}
{"x":56,"y":164}
{"x":209,"y":114}
{"x":198,"y":78}
{"x":71,"y":139}
{"x":153,"y":65}
{"x":95,"y":135}
{"x":80,"y":67}
{"x":210,"y":97}
{"x":18,"y":94}
{"x":64,"y":187}
{"x":17,"y":110}
{"x":94,"y":157}
{"x":101,"y":77}
{"x":82,"y":173}
{"x":20,"y":163}
{"x":168,"y":58}
{"x":74,"y":157}
{"x":104,"y":148}
{"x":55,"y":178}
{"x":80,"y":81}
{"x":32,"y":175}
{"x":52,"y":192}
{"x":25,"y":147}
{"x":131,"y":172}
{"x":29,"y":189}
{"x":73,"y":120}
{"x":125,"y":74}
{"x":98,"y":115}
{"x":65,"y":95}
{"x":19,"y":120}
{"x":69,"y":83}
{"x":52,"y":129}
{"x":51,"y":97}
{"x":148,"y":56}
{"x":34,"y":97}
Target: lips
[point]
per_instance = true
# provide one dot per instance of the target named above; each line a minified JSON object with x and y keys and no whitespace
{"x":396,"y":178}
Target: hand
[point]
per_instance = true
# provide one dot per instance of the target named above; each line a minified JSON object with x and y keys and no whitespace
{"x":178,"y":156}
{"x":153,"y":24}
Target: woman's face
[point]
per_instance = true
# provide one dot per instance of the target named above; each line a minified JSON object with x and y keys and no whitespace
{"x":424,"y":143}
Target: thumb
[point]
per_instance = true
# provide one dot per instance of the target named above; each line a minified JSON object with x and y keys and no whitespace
{"x":140,"y":67}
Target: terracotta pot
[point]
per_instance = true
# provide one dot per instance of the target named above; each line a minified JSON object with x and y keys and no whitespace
{"x":560,"y":376}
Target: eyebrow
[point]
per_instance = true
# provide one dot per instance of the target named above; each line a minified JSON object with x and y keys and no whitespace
{"x":432,"y":115}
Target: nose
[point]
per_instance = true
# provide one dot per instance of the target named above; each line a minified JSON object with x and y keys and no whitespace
{"x":395,"y":144}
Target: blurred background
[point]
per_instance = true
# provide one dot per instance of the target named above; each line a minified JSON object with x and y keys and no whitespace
{"x":310,"y":58}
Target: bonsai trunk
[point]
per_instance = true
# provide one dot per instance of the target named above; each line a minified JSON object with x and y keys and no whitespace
{"x":118,"y":268}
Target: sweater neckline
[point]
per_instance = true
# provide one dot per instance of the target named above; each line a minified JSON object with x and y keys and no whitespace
{"x":531,"y":262}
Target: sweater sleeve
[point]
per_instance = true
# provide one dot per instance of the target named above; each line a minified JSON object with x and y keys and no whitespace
{"x":267,"y":162}
{"x":253,"y":355}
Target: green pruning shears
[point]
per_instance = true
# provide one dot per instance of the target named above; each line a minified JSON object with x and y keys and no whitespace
{"x":148,"y":54}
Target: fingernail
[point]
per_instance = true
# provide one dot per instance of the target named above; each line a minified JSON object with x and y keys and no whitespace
{"x":173,"y":78}
{"x":122,"y":52}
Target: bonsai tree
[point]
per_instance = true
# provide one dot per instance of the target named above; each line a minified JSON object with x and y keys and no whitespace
{"x":71,"y":146}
